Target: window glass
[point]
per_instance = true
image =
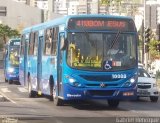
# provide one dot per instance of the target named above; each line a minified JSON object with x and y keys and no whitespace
{"x":48,"y":41}
{"x":101,"y":51}
{"x":35,"y":43}
{"x":55,"y":40}
{"x":143,"y":73}
{"x":14,"y":56}
{"x":31,"y":43}
{"x":22,"y":45}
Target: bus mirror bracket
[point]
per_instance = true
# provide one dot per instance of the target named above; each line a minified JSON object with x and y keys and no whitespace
{"x":63,"y":44}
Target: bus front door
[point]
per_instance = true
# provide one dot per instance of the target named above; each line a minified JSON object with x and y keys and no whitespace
{"x":59,"y":67}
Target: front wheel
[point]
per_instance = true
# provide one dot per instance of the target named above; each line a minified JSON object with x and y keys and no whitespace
{"x":154,"y":99}
{"x":57,"y":101}
{"x":113,"y":103}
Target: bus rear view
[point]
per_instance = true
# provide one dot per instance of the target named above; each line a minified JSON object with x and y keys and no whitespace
{"x":11,"y":61}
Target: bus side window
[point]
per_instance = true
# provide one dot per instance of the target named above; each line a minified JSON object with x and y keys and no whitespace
{"x":35,"y":43}
{"x":31,"y":44}
{"x":48,"y":41}
{"x":55,"y":39}
{"x":22,"y":45}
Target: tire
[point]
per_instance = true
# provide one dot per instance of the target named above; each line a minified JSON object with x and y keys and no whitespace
{"x":58,"y":101}
{"x":17,"y":83}
{"x":51,"y":84}
{"x":154,"y":99}
{"x":10,"y":81}
{"x":32,"y":93}
{"x":113,"y":103}
{"x":6,"y":80}
{"x":137,"y":99}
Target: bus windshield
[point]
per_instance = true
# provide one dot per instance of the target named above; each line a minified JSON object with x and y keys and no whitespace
{"x":101,"y":51}
{"x":14,"y":56}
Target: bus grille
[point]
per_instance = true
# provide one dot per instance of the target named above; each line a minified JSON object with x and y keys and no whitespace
{"x":100,"y":78}
{"x":106,"y":85}
{"x":101,"y":92}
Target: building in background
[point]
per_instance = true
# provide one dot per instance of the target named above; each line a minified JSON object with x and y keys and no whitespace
{"x":42,"y":4}
{"x":18,"y":15}
{"x":22,"y":1}
{"x":133,"y":8}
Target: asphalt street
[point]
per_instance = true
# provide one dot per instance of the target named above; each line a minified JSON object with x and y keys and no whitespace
{"x":17,"y":107}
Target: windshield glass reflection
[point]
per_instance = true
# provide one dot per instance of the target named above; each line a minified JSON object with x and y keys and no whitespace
{"x":14,"y":56}
{"x":101,"y":51}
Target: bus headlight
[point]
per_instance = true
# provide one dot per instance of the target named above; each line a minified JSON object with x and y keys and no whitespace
{"x":10,"y":70}
{"x":130,"y":82}
{"x":73,"y":82}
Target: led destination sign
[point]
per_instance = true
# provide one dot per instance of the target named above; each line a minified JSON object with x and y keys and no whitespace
{"x":15,"y":43}
{"x":98,"y":23}
{"x":101,"y":24}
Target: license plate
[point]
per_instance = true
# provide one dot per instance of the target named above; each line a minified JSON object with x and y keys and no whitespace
{"x":143,"y":92}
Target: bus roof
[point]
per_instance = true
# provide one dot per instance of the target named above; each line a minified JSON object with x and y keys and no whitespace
{"x":63,"y":20}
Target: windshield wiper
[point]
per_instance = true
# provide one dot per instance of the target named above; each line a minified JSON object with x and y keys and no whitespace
{"x":114,"y":41}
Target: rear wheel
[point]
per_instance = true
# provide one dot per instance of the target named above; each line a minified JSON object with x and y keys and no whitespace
{"x":113,"y":103}
{"x":32,"y":93}
{"x":154,"y":98}
{"x":51,"y":83}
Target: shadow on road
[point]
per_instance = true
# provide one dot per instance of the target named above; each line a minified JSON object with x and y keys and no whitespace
{"x":93,"y":106}
{"x":143,"y":104}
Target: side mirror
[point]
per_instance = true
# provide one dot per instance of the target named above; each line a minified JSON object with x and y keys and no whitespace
{"x":63,"y":44}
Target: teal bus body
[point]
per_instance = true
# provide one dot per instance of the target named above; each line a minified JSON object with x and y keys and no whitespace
{"x":11,"y":60}
{"x":67,"y":59}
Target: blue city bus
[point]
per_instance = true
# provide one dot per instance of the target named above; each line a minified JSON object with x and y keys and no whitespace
{"x":11,"y":61}
{"x":67,"y":59}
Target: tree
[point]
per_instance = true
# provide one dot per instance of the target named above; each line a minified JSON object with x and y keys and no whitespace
{"x":108,"y":2}
{"x":7,"y":32}
{"x":154,"y":54}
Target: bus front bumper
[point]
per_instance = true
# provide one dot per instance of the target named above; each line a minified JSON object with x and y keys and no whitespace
{"x":13,"y":77}
{"x":73,"y":93}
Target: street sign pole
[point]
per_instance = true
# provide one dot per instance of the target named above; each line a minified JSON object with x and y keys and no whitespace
{"x":145,"y":53}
